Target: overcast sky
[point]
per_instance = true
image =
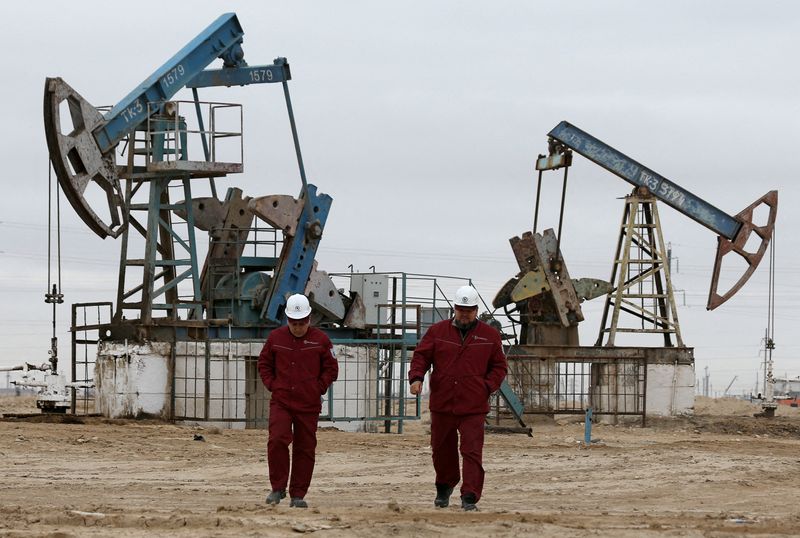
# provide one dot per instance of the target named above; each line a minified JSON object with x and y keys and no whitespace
{"x":423,"y":121}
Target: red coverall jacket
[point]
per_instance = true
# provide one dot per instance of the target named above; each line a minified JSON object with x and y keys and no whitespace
{"x":464,"y":373}
{"x":298,"y":370}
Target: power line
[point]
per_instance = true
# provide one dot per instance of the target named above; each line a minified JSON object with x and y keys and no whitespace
{"x":37,"y":226}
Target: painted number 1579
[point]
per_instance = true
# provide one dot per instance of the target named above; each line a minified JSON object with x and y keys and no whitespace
{"x":260,"y":75}
{"x":173,"y":75}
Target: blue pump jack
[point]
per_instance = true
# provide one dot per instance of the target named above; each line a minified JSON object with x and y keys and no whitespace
{"x":86,"y":155}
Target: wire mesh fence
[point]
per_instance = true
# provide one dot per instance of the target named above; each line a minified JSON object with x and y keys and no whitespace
{"x":218,"y":381}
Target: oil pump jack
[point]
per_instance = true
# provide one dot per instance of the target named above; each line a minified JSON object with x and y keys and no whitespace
{"x":260,"y":249}
{"x":543,"y":291}
{"x":546,"y":300}
{"x":156,"y":142}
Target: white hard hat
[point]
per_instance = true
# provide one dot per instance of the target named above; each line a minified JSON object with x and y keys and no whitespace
{"x":297,"y":306}
{"x":466,"y":296}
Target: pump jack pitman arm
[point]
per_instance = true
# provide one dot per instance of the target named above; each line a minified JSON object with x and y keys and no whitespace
{"x":733,"y":231}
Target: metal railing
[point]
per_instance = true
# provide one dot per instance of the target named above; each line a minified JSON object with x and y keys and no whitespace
{"x":258,"y":248}
{"x":218,"y":381}
{"x":87,"y":319}
{"x":170,"y":139}
{"x":610,"y":386}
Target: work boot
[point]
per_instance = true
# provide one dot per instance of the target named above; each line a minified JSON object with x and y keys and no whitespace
{"x":469,"y":502}
{"x":275,"y":496}
{"x":298,"y":502}
{"x":443,"y":492}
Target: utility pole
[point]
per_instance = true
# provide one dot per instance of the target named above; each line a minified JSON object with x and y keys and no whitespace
{"x":728,"y":388}
{"x":677,"y":270}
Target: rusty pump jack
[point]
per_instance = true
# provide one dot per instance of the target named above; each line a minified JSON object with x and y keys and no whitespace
{"x":547,"y":301}
{"x":543,"y":292}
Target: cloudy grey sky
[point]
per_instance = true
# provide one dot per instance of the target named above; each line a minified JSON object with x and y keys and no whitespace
{"x":423,"y":120}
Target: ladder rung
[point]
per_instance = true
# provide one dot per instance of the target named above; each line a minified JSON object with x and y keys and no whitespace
{"x":172,"y":263}
{"x":653,"y":331}
{"x":146,"y":207}
{"x":158,"y":263}
{"x":182,"y":304}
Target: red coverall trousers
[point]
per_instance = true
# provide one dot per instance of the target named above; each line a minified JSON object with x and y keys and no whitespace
{"x":445,"y":429}
{"x":298,"y":429}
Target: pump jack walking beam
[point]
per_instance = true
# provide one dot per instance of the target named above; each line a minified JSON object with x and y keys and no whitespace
{"x":733,"y":231}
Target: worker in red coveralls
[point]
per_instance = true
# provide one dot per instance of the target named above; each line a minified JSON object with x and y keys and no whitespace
{"x":297,"y":365}
{"x":468,"y":365}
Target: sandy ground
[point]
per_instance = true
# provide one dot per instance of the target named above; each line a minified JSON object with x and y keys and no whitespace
{"x":720,"y":473}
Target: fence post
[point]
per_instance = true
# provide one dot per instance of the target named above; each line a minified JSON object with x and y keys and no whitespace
{"x":587,"y":428}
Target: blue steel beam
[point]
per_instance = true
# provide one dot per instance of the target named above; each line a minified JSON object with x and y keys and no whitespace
{"x":633,"y":172}
{"x":242,"y":76}
{"x":220,"y":39}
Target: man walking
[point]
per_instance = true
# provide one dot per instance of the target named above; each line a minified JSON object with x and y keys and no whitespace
{"x":297,"y":366}
{"x":468,"y":365}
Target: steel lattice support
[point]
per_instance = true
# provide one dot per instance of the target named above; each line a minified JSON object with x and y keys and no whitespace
{"x":162,"y":268}
{"x":643,"y":288}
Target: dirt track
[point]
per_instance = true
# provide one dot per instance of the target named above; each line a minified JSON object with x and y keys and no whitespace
{"x":711,"y":475}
